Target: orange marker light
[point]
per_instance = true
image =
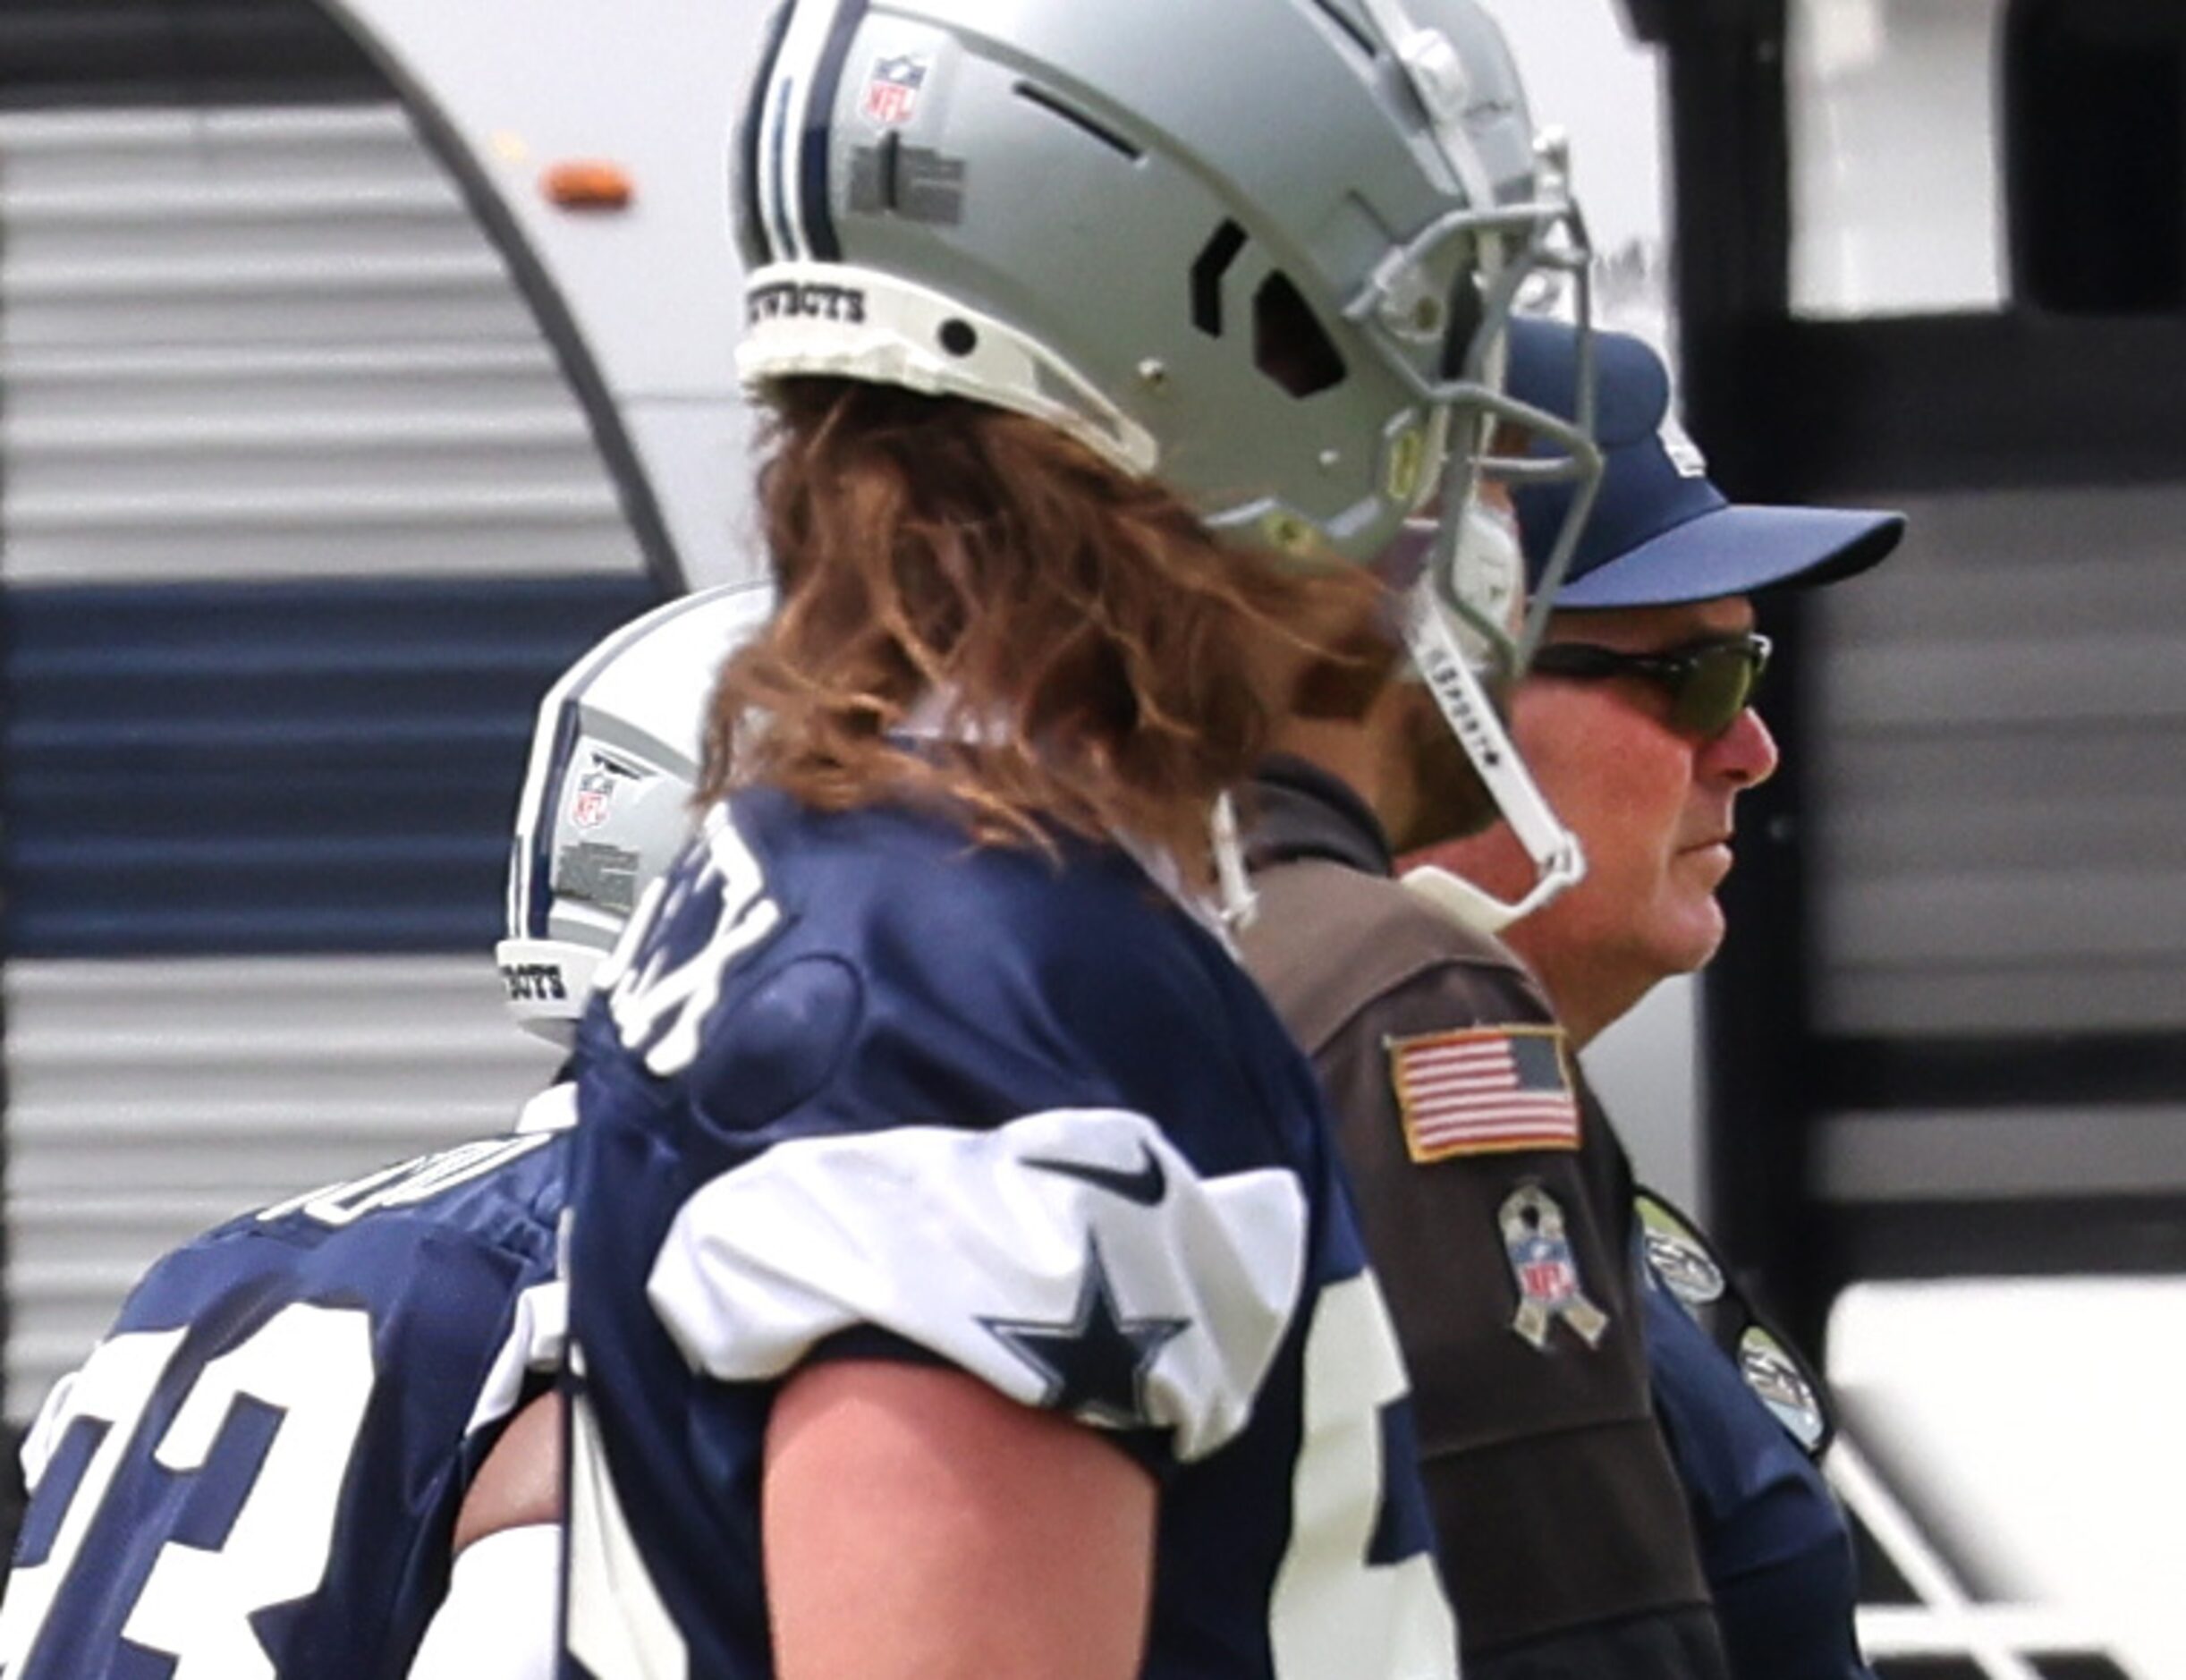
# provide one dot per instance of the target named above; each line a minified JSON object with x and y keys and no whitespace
{"x":587,"y":184}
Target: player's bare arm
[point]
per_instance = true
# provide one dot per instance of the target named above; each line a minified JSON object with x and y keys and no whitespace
{"x":918,"y":1523}
{"x":521,"y":1481}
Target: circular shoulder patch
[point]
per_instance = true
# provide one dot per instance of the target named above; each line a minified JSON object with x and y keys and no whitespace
{"x":1679,"y":1254}
{"x":777,"y":1045}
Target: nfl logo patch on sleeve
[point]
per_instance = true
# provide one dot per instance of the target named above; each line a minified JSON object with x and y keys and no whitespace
{"x":1484,"y":1090}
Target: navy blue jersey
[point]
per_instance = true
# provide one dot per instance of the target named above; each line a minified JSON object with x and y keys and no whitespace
{"x":1744,"y":1423}
{"x":859,"y":1086}
{"x":257,"y":1473}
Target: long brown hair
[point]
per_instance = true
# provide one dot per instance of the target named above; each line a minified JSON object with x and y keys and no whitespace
{"x":1108,"y":665}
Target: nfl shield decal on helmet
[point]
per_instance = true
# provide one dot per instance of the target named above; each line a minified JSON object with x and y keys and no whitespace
{"x":594,"y":797}
{"x":892,"y":91}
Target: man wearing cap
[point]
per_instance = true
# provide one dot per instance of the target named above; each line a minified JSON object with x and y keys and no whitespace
{"x":1635,"y":721}
{"x":1632,"y":719}
{"x":1497,"y":1204}
{"x":1496,"y":1198}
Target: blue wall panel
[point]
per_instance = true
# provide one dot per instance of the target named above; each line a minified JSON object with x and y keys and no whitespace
{"x":246,"y":768}
{"x":143,"y":51}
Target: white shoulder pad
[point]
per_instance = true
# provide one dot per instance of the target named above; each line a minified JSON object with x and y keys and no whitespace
{"x":538,"y":1331}
{"x":1073,"y":1258}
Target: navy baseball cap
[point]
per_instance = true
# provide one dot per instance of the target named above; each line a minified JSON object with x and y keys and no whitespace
{"x":1660,"y":534}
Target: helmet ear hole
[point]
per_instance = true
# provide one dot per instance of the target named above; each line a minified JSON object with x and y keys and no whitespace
{"x":1288,"y":344}
{"x":958,"y":337}
{"x":1207,"y":269}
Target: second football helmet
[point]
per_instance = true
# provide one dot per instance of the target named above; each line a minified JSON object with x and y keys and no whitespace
{"x":607,"y":797}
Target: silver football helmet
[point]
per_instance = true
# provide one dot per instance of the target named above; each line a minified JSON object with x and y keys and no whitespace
{"x":1263,"y":249}
{"x":607,"y":798}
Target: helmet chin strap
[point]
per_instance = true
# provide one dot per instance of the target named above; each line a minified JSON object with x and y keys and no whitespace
{"x":1557,"y":860}
{"x":1240,"y":904}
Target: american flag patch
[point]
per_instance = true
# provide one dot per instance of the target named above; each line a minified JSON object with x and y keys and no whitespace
{"x":1484,"y":1090}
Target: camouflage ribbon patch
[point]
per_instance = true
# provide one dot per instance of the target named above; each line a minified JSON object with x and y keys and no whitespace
{"x":1546,"y":1271}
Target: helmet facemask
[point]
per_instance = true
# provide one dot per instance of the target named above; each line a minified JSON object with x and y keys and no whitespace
{"x":1460,"y":624}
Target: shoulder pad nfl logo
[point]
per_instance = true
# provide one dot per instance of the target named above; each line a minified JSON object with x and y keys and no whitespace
{"x":1484,"y":1090}
{"x":892,"y":91}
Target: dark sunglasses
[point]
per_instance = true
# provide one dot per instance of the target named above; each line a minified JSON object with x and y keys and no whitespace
{"x":1683,"y":1261}
{"x":1708,"y":683}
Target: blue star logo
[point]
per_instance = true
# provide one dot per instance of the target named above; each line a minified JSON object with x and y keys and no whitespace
{"x":1095,"y":1363}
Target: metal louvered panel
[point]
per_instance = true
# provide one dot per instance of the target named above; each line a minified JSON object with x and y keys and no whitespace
{"x":1914,"y":1155}
{"x":298,"y":517}
{"x":1997,"y":772}
{"x":274,"y":341}
{"x":150,"y":1100}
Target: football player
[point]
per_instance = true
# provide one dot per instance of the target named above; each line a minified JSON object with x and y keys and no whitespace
{"x":258,"y":1469}
{"x":960,"y":1277}
{"x":265,"y":1465}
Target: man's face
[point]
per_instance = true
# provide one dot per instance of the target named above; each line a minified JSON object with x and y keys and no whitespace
{"x":1652,"y":807}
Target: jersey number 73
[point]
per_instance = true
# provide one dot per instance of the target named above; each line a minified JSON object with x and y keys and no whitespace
{"x":313,"y":1366}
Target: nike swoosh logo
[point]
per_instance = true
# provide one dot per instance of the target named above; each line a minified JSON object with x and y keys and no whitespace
{"x":1146,"y":1186}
